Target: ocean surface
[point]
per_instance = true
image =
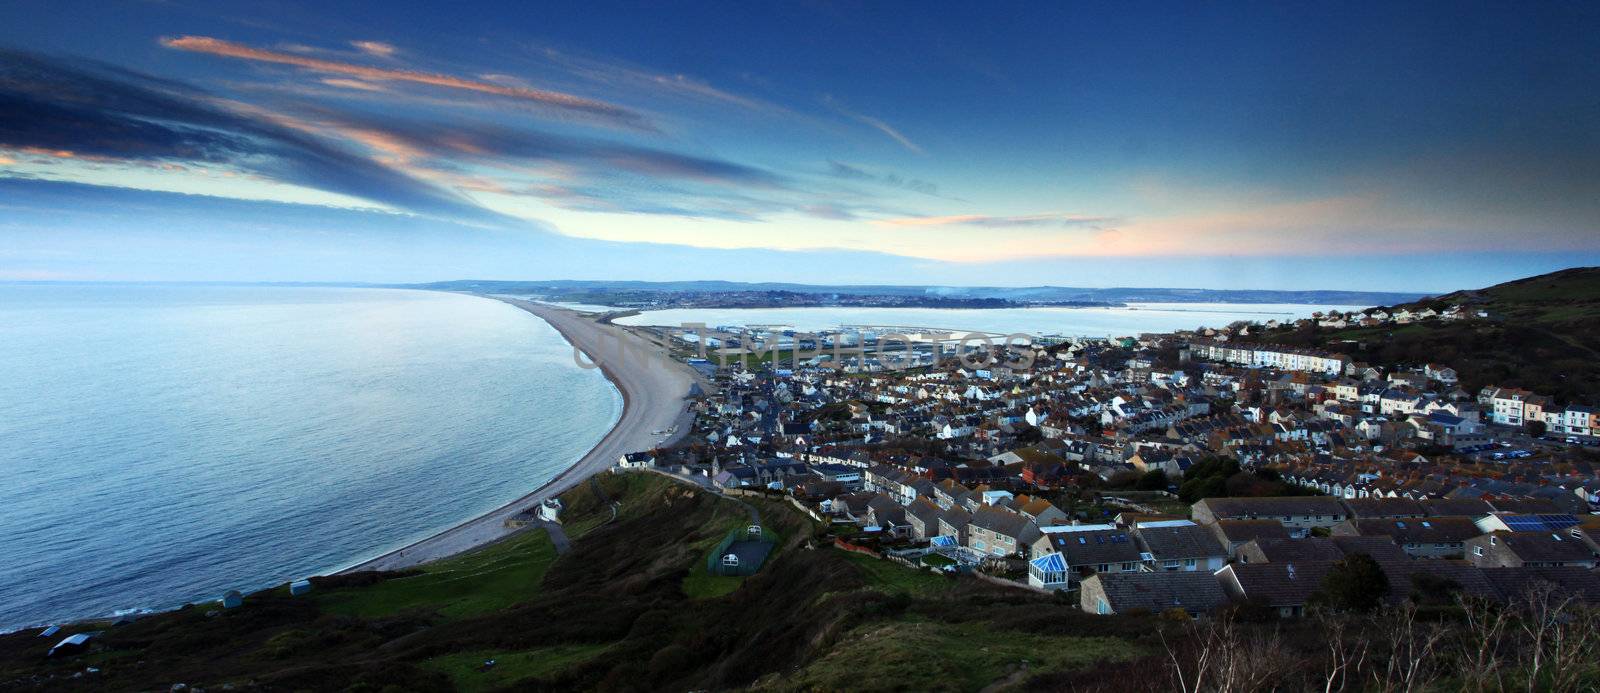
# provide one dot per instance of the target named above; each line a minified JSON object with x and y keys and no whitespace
{"x":164,"y":444}
{"x":1071,"y":322}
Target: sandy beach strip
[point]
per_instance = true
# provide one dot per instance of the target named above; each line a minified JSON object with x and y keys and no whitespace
{"x":653,"y":386}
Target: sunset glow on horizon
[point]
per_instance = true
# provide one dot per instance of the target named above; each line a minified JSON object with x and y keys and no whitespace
{"x":1070,"y":145}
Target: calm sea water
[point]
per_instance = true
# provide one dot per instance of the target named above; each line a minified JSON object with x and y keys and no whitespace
{"x":1072,"y":322}
{"x":164,"y":444}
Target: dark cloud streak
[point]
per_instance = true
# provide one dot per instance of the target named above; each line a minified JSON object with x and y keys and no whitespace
{"x":100,"y":111}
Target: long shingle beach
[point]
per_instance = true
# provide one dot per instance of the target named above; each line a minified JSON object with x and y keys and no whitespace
{"x":653,"y":387}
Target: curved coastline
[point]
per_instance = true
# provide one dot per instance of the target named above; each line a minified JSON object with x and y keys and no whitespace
{"x":653,"y":387}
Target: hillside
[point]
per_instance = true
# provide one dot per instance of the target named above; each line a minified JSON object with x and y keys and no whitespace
{"x":629,"y":607}
{"x":1540,"y":334}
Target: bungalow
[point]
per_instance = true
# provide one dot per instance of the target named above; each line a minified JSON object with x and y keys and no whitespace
{"x":1437,"y":537}
{"x":1284,"y":587}
{"x":1178,"y":546}
{"x":1308,"y":550}
{"x":1514,"y":583}
{"x":1364,"y":508}
{"x":1298,"y":514}
{"x":1119,"y":593}
{"x":1528,"y":549}
{"x":1088,"y":548}
{"x":1232,"y":534}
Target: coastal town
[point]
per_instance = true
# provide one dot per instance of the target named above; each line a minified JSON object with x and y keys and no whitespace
{"x":1190,"y":471}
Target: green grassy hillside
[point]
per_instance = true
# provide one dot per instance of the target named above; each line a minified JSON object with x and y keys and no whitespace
{"x":627,"y":608}
{"x":1542,"y":333}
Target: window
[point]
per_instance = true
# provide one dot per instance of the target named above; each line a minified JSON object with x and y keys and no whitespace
{"x":1190,"y":563}
{"x":1477,"y":550}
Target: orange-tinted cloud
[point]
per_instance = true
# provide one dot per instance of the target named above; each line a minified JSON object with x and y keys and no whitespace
{"x":378,"y":48}
{"x":352,"y":84}
{"x":229,"y":49}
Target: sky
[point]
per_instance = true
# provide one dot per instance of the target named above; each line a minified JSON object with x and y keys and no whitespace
{"x":1376,"y":146}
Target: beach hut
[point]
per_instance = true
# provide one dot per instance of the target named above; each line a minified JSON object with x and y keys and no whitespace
{"x":232,"y":600}
{"x":299,"y":587}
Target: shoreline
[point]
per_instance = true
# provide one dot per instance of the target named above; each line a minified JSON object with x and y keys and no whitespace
{"x":653,"y":387}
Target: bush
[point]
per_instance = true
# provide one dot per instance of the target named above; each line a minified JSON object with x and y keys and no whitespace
{"x":1153,"y":480}
{"x":1355,"y":583}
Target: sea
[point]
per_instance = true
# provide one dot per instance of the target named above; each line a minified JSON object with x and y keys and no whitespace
{"x":1069,"y":322}
{"x":163,"y":444}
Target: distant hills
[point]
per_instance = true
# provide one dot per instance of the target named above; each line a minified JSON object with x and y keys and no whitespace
{"x":1541,"y":333}
{"x":1034,"y":294}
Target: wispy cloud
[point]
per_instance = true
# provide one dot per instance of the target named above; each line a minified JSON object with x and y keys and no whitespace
{"x":353,"y":84}
{"x":568,"y":102}
{"x":874,"y":123}
{"x":377,"y":48}
{"x":839,"y":169}
{"x":87,"y":111}
{"x":493,"y":144}
{"x":616,"y":74}
{"x":987,"y":221}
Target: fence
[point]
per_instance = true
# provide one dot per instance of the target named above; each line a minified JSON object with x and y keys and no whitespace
{"x":847,"y":546}
{"x":748,"y":561}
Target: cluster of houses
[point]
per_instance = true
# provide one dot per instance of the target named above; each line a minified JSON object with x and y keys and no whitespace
{"x":964,"y":461}
{"x":1515,"y":407}
{"x":1272,"y":551}
{"x":1373,"y":317}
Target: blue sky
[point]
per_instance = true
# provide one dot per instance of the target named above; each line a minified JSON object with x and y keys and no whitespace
{"x":1363,"y":146}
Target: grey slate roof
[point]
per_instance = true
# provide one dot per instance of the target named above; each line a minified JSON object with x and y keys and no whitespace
{"x":1272,"y":550}
{"x":1543,"y":547}
{"x":1276,"y":507}
{"x":1384,"y":507}
{"x":1188,"y":541}
{"x":1005,"y":522}
{"x":1244,"y":530}
{"x":1193,"y":591}
{"x":1280,"y":584}
{"x":1427,"y":530}
{"x":1094,"y":547}
{"x":1513,"y":583}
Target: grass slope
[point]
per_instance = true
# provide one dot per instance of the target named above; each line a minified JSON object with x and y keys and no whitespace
{"x":1540,"y":335}
{"x":620,"y":611}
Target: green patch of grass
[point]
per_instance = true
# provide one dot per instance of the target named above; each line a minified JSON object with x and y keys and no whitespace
{"x":466,"y":671}
{"x":937,"y":560}
{"x":479,"y":582}
{"x":964,"y":657}
{"x":888,"y":576}
{"x":702,"y":585}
